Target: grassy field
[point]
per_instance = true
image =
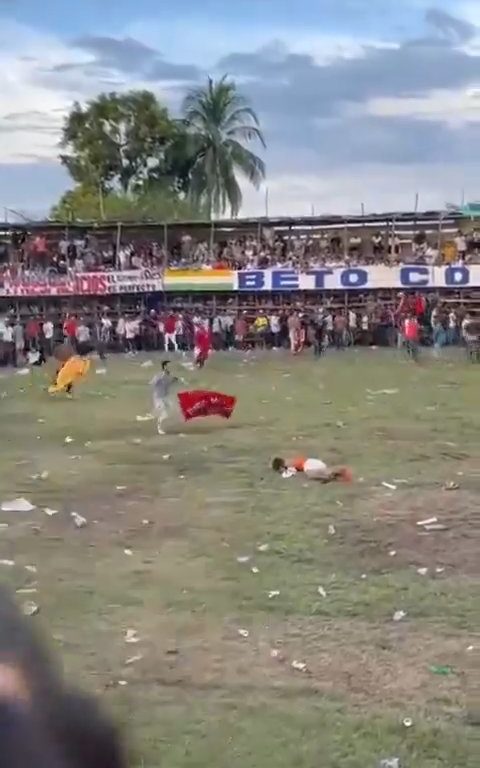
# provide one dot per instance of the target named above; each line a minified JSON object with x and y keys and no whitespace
{"x":171,"y":522}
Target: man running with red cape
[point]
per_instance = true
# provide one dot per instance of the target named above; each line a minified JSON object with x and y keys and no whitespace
{"x":193,"y":403}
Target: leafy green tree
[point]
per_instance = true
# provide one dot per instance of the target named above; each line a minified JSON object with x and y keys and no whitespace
{"x":117,"y":140}
{"x":220,"y":122}
{"x":153,"y":203}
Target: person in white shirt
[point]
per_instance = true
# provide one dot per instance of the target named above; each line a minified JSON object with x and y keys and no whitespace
{"x":275,"y":329}
{"x":48,"y":331}
{"x":83,"y":332}
{"x":120,"y":331}
{"x":452,"y":331}
{"x":131,"y":331}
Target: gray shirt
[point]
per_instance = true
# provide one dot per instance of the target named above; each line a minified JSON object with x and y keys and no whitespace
{"x":162,"y":384}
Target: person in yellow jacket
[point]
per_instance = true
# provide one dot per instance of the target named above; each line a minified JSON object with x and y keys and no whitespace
{"x":73,"y":368}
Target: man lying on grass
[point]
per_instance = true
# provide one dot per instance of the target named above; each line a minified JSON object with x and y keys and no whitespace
{"x":314,"y":469}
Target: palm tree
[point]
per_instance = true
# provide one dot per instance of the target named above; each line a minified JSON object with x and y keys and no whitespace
{"x":219,"y":122}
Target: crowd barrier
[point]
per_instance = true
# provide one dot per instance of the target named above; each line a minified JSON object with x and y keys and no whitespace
{"x":405,"y":277}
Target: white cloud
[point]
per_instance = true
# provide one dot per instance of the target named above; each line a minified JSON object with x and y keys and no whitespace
{"x":379,"y":187}
{"x":455,"y":108}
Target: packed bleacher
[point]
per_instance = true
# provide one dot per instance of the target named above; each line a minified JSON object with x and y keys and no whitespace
{"x":60,"y":251}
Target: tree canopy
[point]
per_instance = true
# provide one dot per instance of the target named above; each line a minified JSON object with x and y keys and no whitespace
{"x":129,"y":157}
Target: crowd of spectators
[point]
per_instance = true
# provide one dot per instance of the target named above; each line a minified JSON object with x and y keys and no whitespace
{"x":173,"y":329}
{"x":39,"y":255}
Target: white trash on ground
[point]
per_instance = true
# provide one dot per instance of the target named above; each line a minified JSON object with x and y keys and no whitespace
{"x":17,"y":505}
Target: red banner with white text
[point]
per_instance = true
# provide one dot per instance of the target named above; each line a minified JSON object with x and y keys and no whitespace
{"x":83,"y":284}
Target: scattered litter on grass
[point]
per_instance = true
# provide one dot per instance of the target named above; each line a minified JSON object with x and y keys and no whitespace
{"x":422,"y":571}
{"x":263,"y":547}
{"x":400,"y":482}
{"x":244,"y":633}
{"x":101,"y":371}
{"x":243,"y":559}
{"x":399,"y":615}
{"x":321,"y":592}
{"x":30,"y":608}
{"x":26,"y":591}
{"x":8,"y":563}
{"x":451,"y":486}
{"x":131,"y":636}
{"x":290,"y":472}
{"x":133,"y":660}
{"x":17,"y":505}
{"x":137,"y":441}
{"x":299,"y":666}
{"x":340,"y":424}
{"x":189,"y":366}
{"x":147,"y":417}
{"x":41,"y":475}
{"x":31,"y":568}
{"x":392,"y":552}
{"x":120,"y":487}
{"x":122,"y":683}
{"x":276,"y":654}
{"x":390,"y":762}
{"x":331,"y":530}
{"x":442,"y":670}
{"x":147,"y":364}
{"x":383,"y":391}
{"x":390,"y":486}
{"x":68,"y":439}
{"x":273,"y":593}
{"x":470,"y":648}
{"x":428,"y":521}
{"x":439,"y":570}
{"x":23,"y":372}
{"x":255,"y":570}
{"x":363,"y":576}
{"x":128,"y":552}
{"x":78,"y":520}
{"x":166,"y":456}
{"x":435,"y":527}
{"x":3,"y":526}
{"x":407,"y":722}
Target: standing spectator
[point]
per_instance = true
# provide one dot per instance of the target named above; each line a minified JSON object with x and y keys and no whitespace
{"x":70,"y":329}
{"x":9,"y":343}
{"x":170,"y":333}
{"x":228,"y":322}
{"x":452,"y":330}
{"x":48,"y":333}
{"x":411,"y":334}
{"x":294,"y":328}
{"x":19,"y":341}
{"x":180,"y":333}
{"x":352,"y":324}
{"x":461,"y":245}
{"x":82,"y":333}
{"x":131,"y":332}
{"x":339,"y":328}
{"x":32,"y":331}
{"x":217,"y":333}
{"x":121,"y":333}
{"x":260,"y":326}
{"x":240,"y":331}
{"x":275,"y":329}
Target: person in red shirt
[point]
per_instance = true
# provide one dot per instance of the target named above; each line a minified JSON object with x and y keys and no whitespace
{"x":32,"y":332}
{"x":203,"y":345}
{"x":411,"y":334}
{"x":70,"y":330}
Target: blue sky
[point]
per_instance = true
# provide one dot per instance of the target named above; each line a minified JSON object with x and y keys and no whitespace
{"x":362,"y":101}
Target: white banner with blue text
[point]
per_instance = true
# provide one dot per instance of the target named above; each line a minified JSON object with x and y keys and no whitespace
{"x":405,"y":277}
